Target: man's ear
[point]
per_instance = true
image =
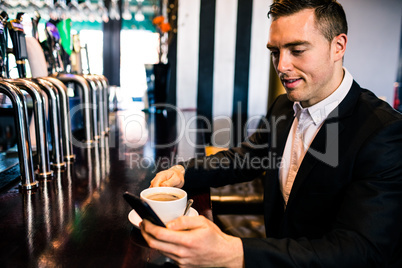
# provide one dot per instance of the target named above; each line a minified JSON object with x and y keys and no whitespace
{"x":339,"y":46}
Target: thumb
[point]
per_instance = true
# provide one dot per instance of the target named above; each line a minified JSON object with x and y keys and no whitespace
{"x":187,"y":223}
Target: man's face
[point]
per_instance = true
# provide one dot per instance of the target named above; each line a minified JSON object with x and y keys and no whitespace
{"x":305,"y":61}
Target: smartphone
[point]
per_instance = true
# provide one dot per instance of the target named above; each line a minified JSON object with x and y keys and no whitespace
{"x":143,"y":209}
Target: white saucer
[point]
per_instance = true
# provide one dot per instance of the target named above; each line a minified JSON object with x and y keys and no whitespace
{"x":135,"y":219}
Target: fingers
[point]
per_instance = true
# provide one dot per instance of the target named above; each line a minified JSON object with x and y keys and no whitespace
{"x":162,"y":238}
{"x":187,"y":223}
{"x":197,"y":242}
{"x":159,"y":238}
{"x":154,"y":232}
{"x":160,"y":178}
{"x":173,"y":244}
{"x":164,"y":178}
{"x":168,"y":178}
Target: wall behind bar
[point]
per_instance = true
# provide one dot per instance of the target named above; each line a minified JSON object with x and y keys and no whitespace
{"x":210,"y":41}
{"x":222,"y":60}
{"x":373,"y":47}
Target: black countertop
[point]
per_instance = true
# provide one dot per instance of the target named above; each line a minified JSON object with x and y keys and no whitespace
{"x":79,"y":219}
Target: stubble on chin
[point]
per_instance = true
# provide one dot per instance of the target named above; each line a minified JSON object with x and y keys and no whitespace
{"x":291,"y":95}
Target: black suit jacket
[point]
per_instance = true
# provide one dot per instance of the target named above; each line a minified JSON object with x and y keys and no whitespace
{"x":345,"y":206}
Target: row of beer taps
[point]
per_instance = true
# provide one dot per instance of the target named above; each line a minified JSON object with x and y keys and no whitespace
{"x":51,"y":107}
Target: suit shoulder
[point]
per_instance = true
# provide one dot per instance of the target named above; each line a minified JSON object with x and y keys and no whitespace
{"x":377,"y":109}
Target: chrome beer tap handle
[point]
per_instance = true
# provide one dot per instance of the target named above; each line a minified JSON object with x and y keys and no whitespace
{"x":28,"y":181}
{"x":43,"y":171}
{"x":65,"y":116}
{"x":86,"y":106}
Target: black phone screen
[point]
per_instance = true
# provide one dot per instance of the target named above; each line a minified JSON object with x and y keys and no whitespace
{"x":143,"y":209}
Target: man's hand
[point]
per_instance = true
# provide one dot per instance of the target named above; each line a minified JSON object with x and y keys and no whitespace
{"x":194,"y":241}
{"x":173,"y":177}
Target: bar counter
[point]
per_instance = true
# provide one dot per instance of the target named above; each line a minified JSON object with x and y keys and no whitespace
{"x":79,"y":219}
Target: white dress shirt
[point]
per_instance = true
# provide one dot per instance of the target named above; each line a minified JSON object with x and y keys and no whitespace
{"x":306,"y":124}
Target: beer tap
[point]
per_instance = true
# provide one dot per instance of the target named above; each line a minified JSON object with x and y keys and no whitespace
{"x":17,"y":35}
{"x":35,"y":21}
{"x":53,"y":39}
{"x":3,"y":44}
{"x":28,"y":181}
{"x":42,"y":169}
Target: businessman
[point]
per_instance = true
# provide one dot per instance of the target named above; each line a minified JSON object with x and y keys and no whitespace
{"x":336,"y":198}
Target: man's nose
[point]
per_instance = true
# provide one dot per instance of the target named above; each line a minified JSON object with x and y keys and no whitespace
{"x":284,"y":62}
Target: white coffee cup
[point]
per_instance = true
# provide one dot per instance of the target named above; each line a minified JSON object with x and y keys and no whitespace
{"x":166,"y":210}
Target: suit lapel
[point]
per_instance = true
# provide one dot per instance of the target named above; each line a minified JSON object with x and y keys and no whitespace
{"x":281,"y":131}
{"x":325,"y":146}
{"x":280,"y":118}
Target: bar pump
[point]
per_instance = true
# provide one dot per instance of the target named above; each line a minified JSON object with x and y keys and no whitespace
{"x":17,"y":35}
{"x":3,"y":44}
{"x":35,"y":22}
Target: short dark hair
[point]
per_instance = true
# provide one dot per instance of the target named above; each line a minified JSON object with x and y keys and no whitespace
{"x":329,"y":14}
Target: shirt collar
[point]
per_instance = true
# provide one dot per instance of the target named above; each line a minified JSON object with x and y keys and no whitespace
{"x":320,"y":111}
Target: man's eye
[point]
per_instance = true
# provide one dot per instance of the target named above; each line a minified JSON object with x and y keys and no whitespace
{"x":274,"y":53}
{"x":297,"y":52}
